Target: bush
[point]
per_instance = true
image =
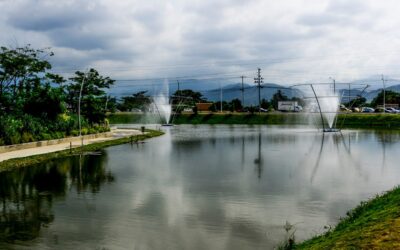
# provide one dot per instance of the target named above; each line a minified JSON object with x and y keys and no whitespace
{"x":27,"y":137}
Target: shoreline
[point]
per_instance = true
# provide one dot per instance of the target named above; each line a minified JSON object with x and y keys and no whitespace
{"x":374,"y":224}
{"x":62,"y":151}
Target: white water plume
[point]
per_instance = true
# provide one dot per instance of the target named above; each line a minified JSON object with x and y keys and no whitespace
{"x":328,"y":101}
{"x":161,"y":105}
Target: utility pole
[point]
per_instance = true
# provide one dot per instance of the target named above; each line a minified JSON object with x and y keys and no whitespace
{"x":348,"y":104}
{"x":384,"y":93}
{"x":178,"y":85}
{"x":334,"y":86}
{"x":258,"y":80}
{"x":242,"y":89}
{"x":220,"y":95}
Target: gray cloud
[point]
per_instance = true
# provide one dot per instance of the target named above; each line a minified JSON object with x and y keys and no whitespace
{"x":136,"y":34}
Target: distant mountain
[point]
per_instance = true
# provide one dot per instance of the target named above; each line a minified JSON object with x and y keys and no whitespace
{"x":250,"y":93}
{"x":231,"y":89}
{"x":154,"y":87}
{"x":369,"y":95}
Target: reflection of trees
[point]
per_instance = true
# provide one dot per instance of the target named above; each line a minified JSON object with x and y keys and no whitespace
{"x":27,"y":194}
{"x":89,"y":173}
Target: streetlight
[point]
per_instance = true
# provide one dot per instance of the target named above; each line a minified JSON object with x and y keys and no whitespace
{"x":334,"y":84}
{"x":384,"y":94}
{"x":79,"y":105}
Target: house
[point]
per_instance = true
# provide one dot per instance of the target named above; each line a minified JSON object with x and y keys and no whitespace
{"x":203,"y":106}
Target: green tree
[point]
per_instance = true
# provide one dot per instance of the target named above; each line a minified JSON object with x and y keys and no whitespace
{"x":278,"y":96}
{"x":94,"y":95}
{"x":358,"y":102}
{"x":265,"y":104}
{"x":22,"y":71}
{"x":236,"y":104}
{"x":138,"y":100}
{"x":391,"y":97}
{"x":187,"y":97}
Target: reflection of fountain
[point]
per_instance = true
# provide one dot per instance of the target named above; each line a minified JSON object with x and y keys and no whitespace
{"x":337,"y":138}
{"x":161,"y":104}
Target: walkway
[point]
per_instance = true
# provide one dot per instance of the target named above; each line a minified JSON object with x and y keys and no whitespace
{"x":117,"y":133}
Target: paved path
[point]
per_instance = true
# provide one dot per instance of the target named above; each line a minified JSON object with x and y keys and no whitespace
{"x":117,"y":133}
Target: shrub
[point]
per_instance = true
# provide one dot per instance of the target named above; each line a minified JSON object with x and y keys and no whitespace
{"x":27,"y":137}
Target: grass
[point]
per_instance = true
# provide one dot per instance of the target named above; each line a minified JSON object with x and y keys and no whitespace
{"x":35,"y":159}
{"x":374,"y":224}
{"x":353,"y":120}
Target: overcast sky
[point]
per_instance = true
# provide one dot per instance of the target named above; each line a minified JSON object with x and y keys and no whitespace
{"x":290,"y":40}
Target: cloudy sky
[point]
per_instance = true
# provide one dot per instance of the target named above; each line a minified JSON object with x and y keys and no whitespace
{"x":290,"y":40}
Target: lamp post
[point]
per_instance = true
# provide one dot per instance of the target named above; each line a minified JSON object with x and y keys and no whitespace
{"x":79,"y":105}
{"x":384,"y":94}
{"x":334,"y":84}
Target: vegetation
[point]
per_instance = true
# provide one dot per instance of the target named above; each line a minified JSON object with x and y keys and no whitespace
{"x":38,"y":105}
{"x":376,"y":121}
{"x":374,"y":224}
{"x":31,"y":160}
{"x":139,"y":101}
{"x":391,"y":97}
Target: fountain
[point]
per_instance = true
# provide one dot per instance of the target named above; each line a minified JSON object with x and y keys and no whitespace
{"x":328,"y":103}
{"x":161,"y":104}
{"x":324,"y":101}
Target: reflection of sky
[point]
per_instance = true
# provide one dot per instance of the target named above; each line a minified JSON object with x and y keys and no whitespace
{"x":201,"y":187}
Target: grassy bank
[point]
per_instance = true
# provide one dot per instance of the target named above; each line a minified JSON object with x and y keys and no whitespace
{"x":27,"y":161}
{"x":356,"y":120}
{"x":374,"y":224}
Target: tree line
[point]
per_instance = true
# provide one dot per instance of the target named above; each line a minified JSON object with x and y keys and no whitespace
{"x":36,"y":104}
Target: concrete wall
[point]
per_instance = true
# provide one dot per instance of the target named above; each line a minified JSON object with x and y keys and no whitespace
{"x":9,"y":148}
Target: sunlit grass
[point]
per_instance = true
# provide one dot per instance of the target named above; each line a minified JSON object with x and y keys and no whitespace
{"x":374,"y":224}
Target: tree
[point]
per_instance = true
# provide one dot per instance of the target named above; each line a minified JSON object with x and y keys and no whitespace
{"x":22,"y":71}
{"x":391,"y":97}
{"x":236,"y":104}
{"x":265,"y":104}
{"x":277,"y":97}
{"x":93,"y":94}
{"x":187,"y":97}
{"x":358,"y":102}
{"x":138,"y":100}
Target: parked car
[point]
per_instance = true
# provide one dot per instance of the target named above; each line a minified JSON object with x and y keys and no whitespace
{"x":392,"y":110}
{"x":367,"y":110}
{"x":263,"y":110}
{"x":298,"y":108}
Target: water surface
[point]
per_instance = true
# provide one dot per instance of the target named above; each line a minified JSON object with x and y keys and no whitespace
{"x":197,"y":187}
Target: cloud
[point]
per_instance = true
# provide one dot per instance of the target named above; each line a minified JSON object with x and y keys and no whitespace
{"x":281,"y":37}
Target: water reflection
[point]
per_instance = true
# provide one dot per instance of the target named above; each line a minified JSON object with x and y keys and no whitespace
{"x":197,"y":187}
{"x":28,"y":194}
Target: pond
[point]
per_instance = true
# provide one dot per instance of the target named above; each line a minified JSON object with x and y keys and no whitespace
{"x":198,"y":187}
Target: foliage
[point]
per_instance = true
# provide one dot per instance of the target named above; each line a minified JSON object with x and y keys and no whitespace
{"x":391,"y":97}
{"x":358,"y":102}
{"x":278,"y":96}
{"x":93,"y":96}
{"x":139,"y":101}
{"x":187,"y":97}
{"x":33,"y":101}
